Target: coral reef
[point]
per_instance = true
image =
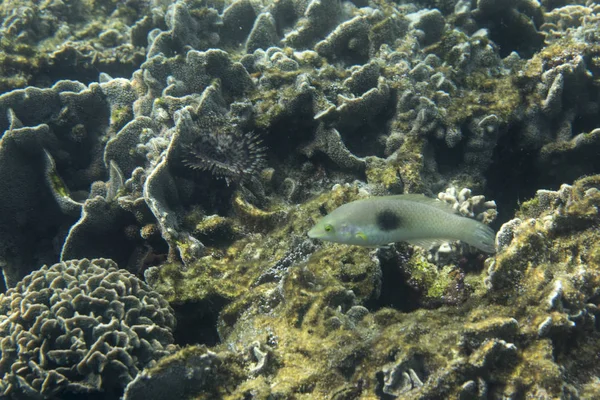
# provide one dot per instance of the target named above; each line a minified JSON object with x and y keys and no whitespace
{"x":194,"y":143}
{"x":80,"y":327}
{"x":187,"y":373}
{"x":230,"y":154}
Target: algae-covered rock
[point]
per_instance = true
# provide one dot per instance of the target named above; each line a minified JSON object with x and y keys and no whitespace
{"x":316,"y":328}
{"x":193,"y":372}
{"x":264,"y":257}
{"x":44,"y":42}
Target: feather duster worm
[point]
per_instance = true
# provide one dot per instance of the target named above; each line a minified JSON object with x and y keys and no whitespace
{"x":227,"y":153}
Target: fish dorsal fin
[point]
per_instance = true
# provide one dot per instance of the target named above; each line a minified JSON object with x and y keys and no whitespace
{"x":421,"y":198}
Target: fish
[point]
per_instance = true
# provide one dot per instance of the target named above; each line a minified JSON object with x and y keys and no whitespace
{"x":413,"y":218}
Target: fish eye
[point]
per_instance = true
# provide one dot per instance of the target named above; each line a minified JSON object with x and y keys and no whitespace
{"x":328,"y":228}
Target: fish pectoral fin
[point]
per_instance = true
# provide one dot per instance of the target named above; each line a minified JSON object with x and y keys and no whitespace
{"x":361,"y":235}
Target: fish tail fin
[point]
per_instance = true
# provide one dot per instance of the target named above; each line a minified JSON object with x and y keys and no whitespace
{"x":481,"y":236}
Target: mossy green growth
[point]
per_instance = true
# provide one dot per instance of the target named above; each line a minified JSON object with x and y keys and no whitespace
{"x":17,"y":68}
{"x":410,"y":163}
{"x":318,"y":337}
{"x":432,"y":280}
{"x":270,"y":104}
{"x":119,"y":116}
{"x":484,"y":95}
{"x":586,"y":199}
{"x":230,"y":272}
{"x":544,"y":247}
{"x":557,"y":53}
{"x":530,"y":209}
{"x":321,"y":349}
{"x":31,"y":53}
{"x":481,"y":92}
{"x":305,"y":316}
{"x":379,"y":172}
{"x":443,"y":48}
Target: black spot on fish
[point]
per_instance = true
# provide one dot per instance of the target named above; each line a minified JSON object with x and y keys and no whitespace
{"x":387,"y":220}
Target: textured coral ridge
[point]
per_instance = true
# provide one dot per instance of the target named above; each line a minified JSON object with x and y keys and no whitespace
{"x":79,"y":327}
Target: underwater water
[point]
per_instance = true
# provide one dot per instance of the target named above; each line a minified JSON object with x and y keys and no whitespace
{"x":163,"y":162}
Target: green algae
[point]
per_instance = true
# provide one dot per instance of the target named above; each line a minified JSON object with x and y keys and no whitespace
{"x":485,"y":95}
{"x":410,"y":162}
{"x":119,"y":116}
{"x":58,"y":185}
{"x":433,"y":281}
{"x":379,"y":172}
{"x":231,"y":272}
{"x":530,"y":208}
{"x":17,"y":69}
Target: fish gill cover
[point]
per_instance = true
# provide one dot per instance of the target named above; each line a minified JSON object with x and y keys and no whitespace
{"x":490,"y":106}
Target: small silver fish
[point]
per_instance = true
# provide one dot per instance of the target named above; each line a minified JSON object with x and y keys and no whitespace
{"x":419,"y":220}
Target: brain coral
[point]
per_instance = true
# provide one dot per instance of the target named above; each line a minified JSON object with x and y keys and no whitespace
{"x":79,"y":327}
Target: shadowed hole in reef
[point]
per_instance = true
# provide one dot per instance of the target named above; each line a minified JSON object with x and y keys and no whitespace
{"x":512,"y":31}
{"x":197,"y":321}
{"x":288,"y":132}
{"x":366,"y":138}
{"x":68,"y":67}
{"x":511,"y":177}
{"x":448,"y":159}
{"x":396,"y":292}
{"x":561,"y":163}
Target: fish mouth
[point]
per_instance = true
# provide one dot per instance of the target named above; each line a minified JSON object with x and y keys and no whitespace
{"x":314,"y":234}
